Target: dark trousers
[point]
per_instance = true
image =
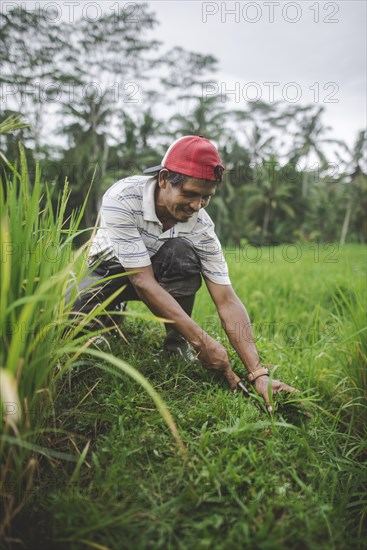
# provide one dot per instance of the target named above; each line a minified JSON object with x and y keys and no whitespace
{"x":176,"y":267}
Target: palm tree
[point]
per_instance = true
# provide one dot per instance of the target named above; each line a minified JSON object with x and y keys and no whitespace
{"x":308,"y":139}
{"x":357,"y":180}
{"x":207,"y":118}
{"x":257,"y":128}
{"x":185,"y":71}
{"x":88,"y":148}
{"x":271,"y":195}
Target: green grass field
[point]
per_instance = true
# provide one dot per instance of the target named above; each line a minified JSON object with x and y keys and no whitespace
{"x":250,"y":480}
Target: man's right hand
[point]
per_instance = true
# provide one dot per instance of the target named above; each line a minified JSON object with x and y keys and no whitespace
{"x":214,"y":356}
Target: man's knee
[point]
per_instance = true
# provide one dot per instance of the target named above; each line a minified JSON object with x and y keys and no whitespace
{"x":177,"y":267}
{"x":178,"y":246}
{"x":176,"y":257}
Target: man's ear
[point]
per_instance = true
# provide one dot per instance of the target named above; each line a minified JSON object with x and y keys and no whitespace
{"x":162,"y":178}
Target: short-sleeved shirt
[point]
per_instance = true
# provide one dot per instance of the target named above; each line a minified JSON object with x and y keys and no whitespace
{"x":130,"y":231}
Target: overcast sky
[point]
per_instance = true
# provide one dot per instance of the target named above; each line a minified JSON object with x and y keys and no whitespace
{"x":302,"y":52}
{"x":318,"y":46}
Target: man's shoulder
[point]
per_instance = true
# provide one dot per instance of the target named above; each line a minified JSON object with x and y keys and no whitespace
{"x":127,"y":188}
{"x":204,"y":221}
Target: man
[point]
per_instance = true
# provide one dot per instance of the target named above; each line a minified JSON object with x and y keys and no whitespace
{"x":155,"y":227}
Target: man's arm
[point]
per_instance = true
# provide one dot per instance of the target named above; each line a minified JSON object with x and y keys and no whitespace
{"x":237,"y":325}
{"x":210,"y":353}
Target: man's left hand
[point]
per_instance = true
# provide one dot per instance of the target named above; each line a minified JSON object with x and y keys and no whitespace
{"x":261,"y":386}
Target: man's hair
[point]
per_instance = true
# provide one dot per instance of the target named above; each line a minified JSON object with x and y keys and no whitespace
{"x":176,"y":179}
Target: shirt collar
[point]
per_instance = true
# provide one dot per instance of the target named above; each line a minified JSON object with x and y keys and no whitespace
{"x":150,"y":215}
{"x":188,"y":226}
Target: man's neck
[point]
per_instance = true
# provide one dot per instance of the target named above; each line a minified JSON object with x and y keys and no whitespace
{"x":165,"y":218}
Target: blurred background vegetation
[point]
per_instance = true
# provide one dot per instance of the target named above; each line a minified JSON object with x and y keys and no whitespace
{"x":104,"y":96}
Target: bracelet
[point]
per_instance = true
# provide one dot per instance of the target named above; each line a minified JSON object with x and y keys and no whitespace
{"x":259,"y":372}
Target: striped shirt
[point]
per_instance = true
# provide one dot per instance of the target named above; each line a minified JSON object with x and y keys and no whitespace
{"x":131,"y":233}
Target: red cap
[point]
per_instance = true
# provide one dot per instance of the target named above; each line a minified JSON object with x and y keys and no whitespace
{"x":194,"y":156}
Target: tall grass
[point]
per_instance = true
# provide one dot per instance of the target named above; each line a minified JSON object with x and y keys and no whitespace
{"x":352,"y":358}
{"x":39,"y":340}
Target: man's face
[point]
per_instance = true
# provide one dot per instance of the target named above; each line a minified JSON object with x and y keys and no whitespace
{"x":182,"y":201}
